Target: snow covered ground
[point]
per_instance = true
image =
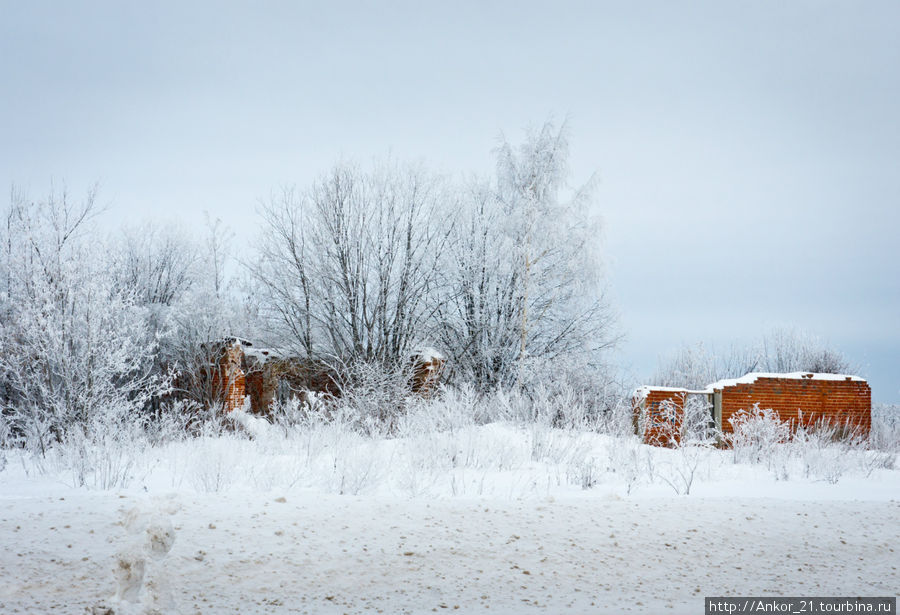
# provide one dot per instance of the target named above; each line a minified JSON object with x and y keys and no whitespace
{"x":520,"y":522}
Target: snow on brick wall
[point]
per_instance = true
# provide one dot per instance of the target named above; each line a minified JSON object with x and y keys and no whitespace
{"x":427,"y":370}
{"x":255,"y":375}
{"x":801,"y":400}
{"x":230,"y":379}
{"x":234,"y":396}
{"x":658,"y":429}
{"x":798,"y":398}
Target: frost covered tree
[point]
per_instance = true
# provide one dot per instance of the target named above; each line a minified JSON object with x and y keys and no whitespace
{"x":526,"y":290}
{"x":348,"y":268}
{"x":190,"y":302}
{"x":792,"y":350}
{"x":479,"y":316}
{"x":503,"y":274}
{"x":694,"y":367}
{"x":74,"y":348}
{"x":780,"y":350}
{"x":158,"y":263}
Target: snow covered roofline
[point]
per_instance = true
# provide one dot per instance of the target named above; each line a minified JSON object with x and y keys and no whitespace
{"x":261,"y":355}
{"x":233,"y":339}
{"x":424,"y":354}
{"x":754,"y":376}
{"x":427,"y":354}
{"x":642,"y":391}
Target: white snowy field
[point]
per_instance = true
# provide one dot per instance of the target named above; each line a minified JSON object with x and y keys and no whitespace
{"x":497,"y":518}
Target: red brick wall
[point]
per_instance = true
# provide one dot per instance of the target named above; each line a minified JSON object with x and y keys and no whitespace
{"x":802,"y":400}
{"x":261,"y":393}
{"x":427,"y":376}
{"x":232,"y":385}
{"x":658,"y":429}
{"x":798,"y":401}
{"x":234,"y":396}
{"x":230,"y":380}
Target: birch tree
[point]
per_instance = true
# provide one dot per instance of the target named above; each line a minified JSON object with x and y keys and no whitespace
{"x":527,"y":287}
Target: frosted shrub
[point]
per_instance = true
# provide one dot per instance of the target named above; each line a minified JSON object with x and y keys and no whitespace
{"x":756,"y":435}
{"x":663,"y":425}
{"x":76,"y":354}
{"x":698,"y":426}
{"x":424,"y":457}
{"x":215,"y":462}
{"x":628,"y":459}
{"x":214,"y":422}
{"x":558,"y":407}
{"x":172,"y":423}
{"x":337,"y":450}
{"x":871,"y":460}
{"x":459,"y":406}
{"x":586,"y":472}
{"x":354,"y":465}
{"x":689,"y":431}
{"x":509,"y":406}
{"x":812,"y":444}
{"x":682,"y":466}
{"x":444,"y":449}
{"x":885,"y":434}
{"x":101,"y":454}
{"x":303,"y":425}
{"x":820,"y":451}
{"x":5,"y":432}
{"x":539,"y":417}
{"x":829,"y":463}
{"x":616,"y":419}
{"x":295,"y":413}
{"x":557,"y":446}
{"x":5,"y":440}
{"x":564,"y":408}
{"x":375,"y":395}
{"x":439,"y":440}
{"x":543,"y":441}
{"x":828,"y":452}
{"x":454,"y":409}
{"x":35,"y":433}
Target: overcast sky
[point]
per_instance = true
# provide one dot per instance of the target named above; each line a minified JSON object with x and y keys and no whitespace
{"x":748,"y":152}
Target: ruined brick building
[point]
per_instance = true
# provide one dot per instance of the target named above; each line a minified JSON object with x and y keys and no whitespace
{"x":258,"y":377}
{"x":799,"y":398}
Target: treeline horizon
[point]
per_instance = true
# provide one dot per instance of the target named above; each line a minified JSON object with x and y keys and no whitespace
{"x":501,"y":273}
